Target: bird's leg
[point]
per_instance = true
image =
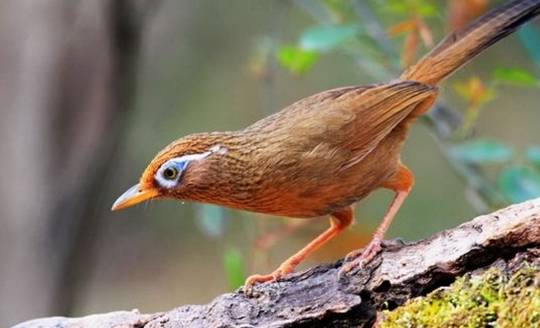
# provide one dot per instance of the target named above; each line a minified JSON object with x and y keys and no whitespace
{"x":401,"y":183}
{"x":338,"y":222}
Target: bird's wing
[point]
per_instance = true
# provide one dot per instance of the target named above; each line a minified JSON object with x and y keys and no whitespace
{"x":378,"y":111}
{"x":337,"y":127}
{"x":352,"y":124}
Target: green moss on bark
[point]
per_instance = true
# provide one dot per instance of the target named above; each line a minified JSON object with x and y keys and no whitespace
{"x":492,"y":299}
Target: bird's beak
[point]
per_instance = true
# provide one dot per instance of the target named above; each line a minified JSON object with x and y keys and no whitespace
{"x":132,"y":196}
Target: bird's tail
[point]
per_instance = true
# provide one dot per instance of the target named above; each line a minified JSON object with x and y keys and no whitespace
{"x":461,"y":46}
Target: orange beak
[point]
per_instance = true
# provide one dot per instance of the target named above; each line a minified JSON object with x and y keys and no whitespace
{"x":132,"y":196}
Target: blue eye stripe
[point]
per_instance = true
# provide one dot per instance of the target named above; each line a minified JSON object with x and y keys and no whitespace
{"x":179,"y":164}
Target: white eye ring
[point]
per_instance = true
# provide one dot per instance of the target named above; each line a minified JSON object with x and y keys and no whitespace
{"x":179,"y":164}
{"x":160,"y":176}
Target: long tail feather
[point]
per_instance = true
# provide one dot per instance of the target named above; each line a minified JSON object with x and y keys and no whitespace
{"x":461,"y":46}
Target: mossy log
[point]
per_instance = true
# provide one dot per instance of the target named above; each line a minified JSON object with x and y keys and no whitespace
{"x":504,"y":240}
{"x":505,"y":295}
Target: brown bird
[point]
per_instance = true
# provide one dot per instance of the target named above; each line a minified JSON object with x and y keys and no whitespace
{"x":323,"y":153}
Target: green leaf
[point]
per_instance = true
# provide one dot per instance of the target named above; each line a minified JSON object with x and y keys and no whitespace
{"x":482,"y":151}
{"x":427,"y":10}
{"x":515,"y":76}
{"x":326,"y":37}
{"x":211,"y":220}
{"x":233,"y":263}
{"x":519,"y":183}
{"x":295,"y":59}
{"x":533,"y":155}
{"x":424,"y":8}
{"x":397,"y":7}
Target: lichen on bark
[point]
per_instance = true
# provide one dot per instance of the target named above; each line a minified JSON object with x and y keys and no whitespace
{"x":494,"y":298}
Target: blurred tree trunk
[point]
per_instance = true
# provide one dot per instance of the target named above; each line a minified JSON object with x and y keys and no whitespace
{"x":68,"y":71}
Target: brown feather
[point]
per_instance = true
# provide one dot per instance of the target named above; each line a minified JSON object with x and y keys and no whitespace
{"x":461,"y":46}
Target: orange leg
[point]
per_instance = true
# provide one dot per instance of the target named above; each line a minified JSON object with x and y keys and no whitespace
{"x":338,"y":222}
{"x":401,"y":183}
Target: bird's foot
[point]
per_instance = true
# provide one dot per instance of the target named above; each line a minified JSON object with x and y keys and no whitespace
{"x":279,"y":273}
{"x":359,"y":258}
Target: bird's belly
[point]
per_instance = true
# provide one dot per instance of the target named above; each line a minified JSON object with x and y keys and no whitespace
{"x":302,"y":202}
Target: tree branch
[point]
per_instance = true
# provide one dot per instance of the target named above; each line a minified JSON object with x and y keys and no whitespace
{"x":316,"y":298}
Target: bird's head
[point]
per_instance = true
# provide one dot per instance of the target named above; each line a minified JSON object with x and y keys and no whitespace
{"x":178,"y":171}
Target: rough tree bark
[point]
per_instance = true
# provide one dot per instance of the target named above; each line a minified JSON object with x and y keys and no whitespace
{"x":316,"y":298}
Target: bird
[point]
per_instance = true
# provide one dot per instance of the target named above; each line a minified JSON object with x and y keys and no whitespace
{"x":323,"y":153}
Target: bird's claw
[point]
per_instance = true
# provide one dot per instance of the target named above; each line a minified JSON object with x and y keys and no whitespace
{"x":359,"y":258}
{"x":277,"y":275}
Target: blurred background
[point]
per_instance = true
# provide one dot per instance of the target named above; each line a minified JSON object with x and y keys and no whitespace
{"x":90,"y":90}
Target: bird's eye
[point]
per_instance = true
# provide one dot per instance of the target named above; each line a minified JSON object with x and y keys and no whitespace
{"x":170,"y":173}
